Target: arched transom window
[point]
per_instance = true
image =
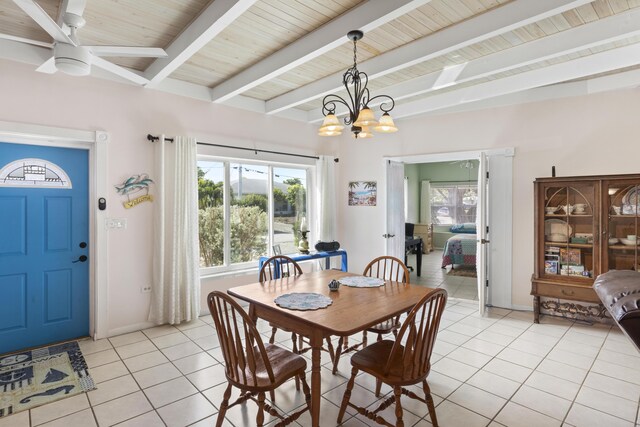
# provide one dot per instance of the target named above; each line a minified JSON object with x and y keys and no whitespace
{"x":34,"y":173}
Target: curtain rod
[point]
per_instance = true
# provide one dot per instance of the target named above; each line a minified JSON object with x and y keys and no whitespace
{"x":255,"y":150}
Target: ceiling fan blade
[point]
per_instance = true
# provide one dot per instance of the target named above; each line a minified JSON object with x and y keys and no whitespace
{"x":119,"y":71}
{"x":33,"y":9}
{"x":48,"y":66}
{"x":26,"y":41}
{"x":128,"y":51}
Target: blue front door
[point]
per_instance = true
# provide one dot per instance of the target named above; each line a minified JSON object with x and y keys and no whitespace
{"x":44,"y":246}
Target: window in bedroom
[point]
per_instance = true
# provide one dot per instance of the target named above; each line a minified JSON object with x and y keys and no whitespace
{"x":453,"y":203}
{"x":246,"y":209}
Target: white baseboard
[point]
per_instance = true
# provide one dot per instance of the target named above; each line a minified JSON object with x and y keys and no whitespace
{"x":129,"y":328}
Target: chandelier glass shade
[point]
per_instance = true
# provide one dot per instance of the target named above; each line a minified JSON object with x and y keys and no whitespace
{"x":360,"y":118}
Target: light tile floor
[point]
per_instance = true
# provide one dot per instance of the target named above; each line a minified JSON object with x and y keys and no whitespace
{"x":496,"y":370}
{"x":433,"y":275}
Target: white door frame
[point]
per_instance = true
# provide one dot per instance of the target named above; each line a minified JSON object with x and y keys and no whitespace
{"x":497,"y":296}
{"x":96,"y":143}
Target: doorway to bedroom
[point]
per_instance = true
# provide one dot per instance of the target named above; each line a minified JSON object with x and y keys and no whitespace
{"x":441,"y":198}
{"x":458,"y":196}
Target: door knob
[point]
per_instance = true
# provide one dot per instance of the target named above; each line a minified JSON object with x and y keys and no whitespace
{"x":388,"y":236}
{"x":484,"y":241}
{"x":82,"y":258}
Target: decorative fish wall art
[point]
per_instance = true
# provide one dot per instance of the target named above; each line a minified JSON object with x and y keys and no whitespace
{"x":134,"y":185}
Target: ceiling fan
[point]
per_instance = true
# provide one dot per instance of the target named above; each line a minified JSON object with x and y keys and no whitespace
{"x":71,"y":57}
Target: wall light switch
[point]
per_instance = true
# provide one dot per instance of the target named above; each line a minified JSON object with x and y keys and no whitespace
{"x":116,"y":222}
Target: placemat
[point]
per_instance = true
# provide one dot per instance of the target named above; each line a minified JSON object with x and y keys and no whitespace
{"x":303,"y":301}
{"x":362,"y":282}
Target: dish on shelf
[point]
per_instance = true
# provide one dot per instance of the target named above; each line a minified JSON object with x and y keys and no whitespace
{"x":629,"y":242}
{"x":613,"y":240}
{"x":567,"y":208}
{"x":551,"y":209}
{"x":632,"y":196}
{"x":557,"y":237}
{"x":557,"y":226}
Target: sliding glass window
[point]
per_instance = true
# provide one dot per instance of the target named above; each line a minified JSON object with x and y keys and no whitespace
{"x":248,"y":210}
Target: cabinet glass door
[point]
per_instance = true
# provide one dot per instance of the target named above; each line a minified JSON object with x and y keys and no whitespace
{"x":570,"y":238}
{"x":622,"y":211}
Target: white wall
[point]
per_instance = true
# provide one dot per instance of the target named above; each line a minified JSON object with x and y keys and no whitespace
{"x":595,"y":134}
{"x":588,"y":135}
{"x":128,"y":113}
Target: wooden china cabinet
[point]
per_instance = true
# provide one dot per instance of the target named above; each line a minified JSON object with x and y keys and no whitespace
{"x":584,"y":226}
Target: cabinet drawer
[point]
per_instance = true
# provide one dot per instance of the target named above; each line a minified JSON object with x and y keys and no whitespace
{"x":564,"y":291}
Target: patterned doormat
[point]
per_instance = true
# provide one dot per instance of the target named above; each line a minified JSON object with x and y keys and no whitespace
{"x":44,"y":375}
{"x":463,"y":271}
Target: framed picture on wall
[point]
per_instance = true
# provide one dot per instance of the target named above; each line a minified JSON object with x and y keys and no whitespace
{"x":363,"y":193}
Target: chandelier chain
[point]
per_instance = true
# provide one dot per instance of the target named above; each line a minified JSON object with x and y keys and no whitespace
{"x":355,"y":54}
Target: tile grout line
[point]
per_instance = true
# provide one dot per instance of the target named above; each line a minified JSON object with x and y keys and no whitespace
{"x":585,"y":378}
{"x":532,"y":372}
{"x":163,"y":382}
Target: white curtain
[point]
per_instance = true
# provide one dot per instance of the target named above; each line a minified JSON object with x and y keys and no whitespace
{"x":175,"y":295}
{"x":326,"y":199}
{"x":425,"y":203}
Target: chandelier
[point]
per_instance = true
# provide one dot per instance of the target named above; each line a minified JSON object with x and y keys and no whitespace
{"x":361,"y":118}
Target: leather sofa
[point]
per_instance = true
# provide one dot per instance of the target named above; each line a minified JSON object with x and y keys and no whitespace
{"x":619,"y":291}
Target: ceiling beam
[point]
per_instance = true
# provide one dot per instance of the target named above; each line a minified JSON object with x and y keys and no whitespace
{"x":602,"y":62}
{"x":215,"y":18}
{"x":603,"y":31}
{"x":497,"y":21}
{"x":618,"y":81}
{"x":365,"y":17}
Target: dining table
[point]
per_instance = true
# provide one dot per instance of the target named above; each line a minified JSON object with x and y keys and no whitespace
{"x":352,"y":310}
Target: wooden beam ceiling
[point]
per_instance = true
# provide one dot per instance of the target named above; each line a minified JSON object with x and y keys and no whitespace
{"x":597,"y":33}
{"x":503,"y":48}
{"x":500,"y":20}
{"x":365,"y":17}
{"x":215,"y":18}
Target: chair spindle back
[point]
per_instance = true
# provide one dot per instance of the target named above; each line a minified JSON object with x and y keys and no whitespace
{"x":242,"y":348}
{"x":388,"y":268}
{"x":281,"y":264}
{"x":417,"y":336}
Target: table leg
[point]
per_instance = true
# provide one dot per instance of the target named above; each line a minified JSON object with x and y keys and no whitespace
{"x":252,"y":313}
{"x":345,"y":263}
{"x":327,"y":263}
{"x":316,"y":345}
{"x":419,"y":258}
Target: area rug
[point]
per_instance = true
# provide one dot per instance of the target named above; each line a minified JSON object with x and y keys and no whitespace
{"x":33,"y":378}
{"x":463,"y":271}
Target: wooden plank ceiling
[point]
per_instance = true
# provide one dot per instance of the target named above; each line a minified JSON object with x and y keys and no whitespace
{"x":267,"y":27}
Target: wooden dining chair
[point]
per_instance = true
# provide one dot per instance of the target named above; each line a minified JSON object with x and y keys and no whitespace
{"x":287,"y":267}
{"x":384,"y":267}
{"x":250,"y":365}
{"x":401,"y":362}
{"x":280,"y":266}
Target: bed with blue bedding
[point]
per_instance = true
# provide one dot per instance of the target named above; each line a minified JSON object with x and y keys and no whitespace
{"x":460,"y":250}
